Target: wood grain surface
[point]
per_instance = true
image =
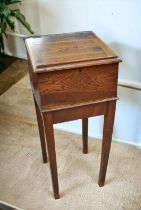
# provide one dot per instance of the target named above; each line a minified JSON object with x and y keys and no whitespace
{"x":85,"y":86}
{"x":76,"y":113}
{"x":76,"y":86}
{"x":63,"y":51}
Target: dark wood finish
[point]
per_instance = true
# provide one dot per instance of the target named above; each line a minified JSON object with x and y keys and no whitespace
{"x":65,"y":51}
{"x":107,"y":138}
{"x":51,"y":151}
{"x":75,"y":113}
{"x":77,"y":86}
{"x":85,"y":135}
{"x":73,"y":76}
{"x":41,"y":131}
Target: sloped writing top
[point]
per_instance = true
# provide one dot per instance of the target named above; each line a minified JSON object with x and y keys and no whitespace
{"x":66,"y":51}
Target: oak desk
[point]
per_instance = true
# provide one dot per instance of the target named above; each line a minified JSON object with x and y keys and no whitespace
{"x":73,"y":76}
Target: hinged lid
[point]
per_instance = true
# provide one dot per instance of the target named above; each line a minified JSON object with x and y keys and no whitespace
{"x":70,"y":50}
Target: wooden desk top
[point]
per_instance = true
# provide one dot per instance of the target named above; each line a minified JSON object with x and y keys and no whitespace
{"x":65,"y":51}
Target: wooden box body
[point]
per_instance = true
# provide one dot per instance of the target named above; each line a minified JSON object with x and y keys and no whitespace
{"x":70,"y":70}
{"x":78,"y":86}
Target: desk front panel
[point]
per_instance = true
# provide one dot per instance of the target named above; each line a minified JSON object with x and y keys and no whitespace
{"x":72,"y":87}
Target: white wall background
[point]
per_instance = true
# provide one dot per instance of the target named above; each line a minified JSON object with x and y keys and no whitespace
{"x":118,"y":23}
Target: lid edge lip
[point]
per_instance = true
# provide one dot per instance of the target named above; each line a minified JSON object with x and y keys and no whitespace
{"x":63,"y":66}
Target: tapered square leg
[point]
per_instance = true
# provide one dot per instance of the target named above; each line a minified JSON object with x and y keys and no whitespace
{"x":48,"y":123}
{"x":85,"y":135}
{"x":106,"y":143}
{"x":41,"y":131}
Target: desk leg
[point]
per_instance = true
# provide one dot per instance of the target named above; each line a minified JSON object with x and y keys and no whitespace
{"x":41,"y":131}
{"x":51,"y":152}
{"x":107,"y":137}
{"x":85,"y":135}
